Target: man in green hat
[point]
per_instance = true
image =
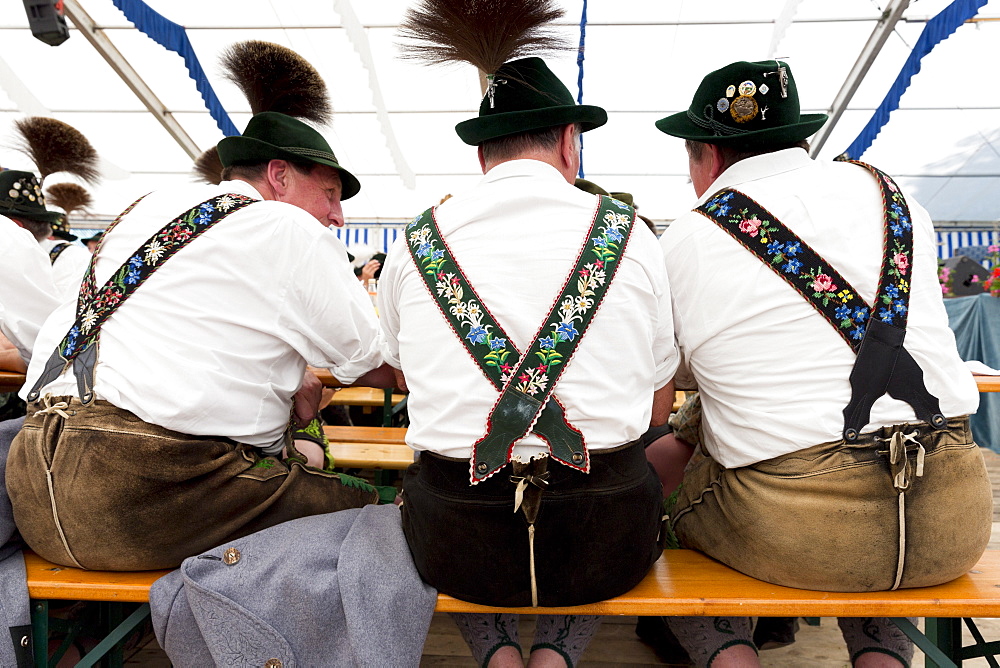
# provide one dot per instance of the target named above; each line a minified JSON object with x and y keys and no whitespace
{"x":28,"y":293}
{"x":28,"y":208}
{"x":831,"y":456}
{"x":531,"y":487}
{"x":207,"y":302}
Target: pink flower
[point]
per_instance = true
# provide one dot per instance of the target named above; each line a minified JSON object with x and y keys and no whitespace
{"x":902,"y":262}
{"x":599,"y":264}
{"x":524,"y":378}
{"x":892,"y":186}
{"x":506,"y":368}
{"x":823,"y":283}
{"x":585,"y":272}
{"x":749,"y":226}
{"x":542,"y":368}
{"x":995,"y":248}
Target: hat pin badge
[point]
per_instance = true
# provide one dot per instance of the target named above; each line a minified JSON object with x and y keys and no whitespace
{"x":491,"y":86}
{"x":782,"y":73}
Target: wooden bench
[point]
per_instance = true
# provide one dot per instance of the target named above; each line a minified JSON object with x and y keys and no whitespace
{"x":369,"y":447}
{"x":682,"y":582}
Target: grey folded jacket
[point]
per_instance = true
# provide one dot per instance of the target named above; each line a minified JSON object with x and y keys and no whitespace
{"x":330,"y":590}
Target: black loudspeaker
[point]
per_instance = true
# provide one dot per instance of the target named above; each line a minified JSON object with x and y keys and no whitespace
{"x":966,"y":276}
{"x":47,"y":22}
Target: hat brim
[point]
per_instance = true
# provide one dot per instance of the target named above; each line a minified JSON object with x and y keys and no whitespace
{"x":679,"y":125}
{"x":483,"y":128}
{"x":65,"y":236}
{"x":233,"y":150}
{"x":31,"y":214}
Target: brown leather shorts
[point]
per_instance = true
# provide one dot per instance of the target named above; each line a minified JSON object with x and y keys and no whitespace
{"x":829,"y":518}
{"x":98,"y":488}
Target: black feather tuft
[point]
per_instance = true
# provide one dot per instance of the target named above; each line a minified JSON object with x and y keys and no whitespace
{"x":55,"y":146}
{"x":208,"y":167}
{"x":275,"y":78}
{"x":484,"y":33}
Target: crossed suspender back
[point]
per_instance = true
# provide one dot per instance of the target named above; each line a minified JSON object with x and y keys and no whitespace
{"x":525,"y":381}
{"x":875,"y":332}
{"x":95,"y":305}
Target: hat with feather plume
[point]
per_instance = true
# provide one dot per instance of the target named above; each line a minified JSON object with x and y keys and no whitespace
{"x":54,"y":147}
{"x":497,"y":36}
{"x":69,"y":197}
{"x":282,"y":88}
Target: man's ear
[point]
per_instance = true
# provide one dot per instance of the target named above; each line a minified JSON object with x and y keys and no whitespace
{"x":568,"y":146}
{"x":718,"y":166}
{"x":277,"y":176}
{"x":482,"y":160}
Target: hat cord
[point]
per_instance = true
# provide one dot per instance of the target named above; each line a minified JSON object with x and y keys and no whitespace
{"x":709,"y":123}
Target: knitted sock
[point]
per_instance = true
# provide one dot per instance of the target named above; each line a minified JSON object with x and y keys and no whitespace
{"x":705,"y":637}
{"x":876,"y":634}
{"x":485,"y":633}
{"x":567,"y":634}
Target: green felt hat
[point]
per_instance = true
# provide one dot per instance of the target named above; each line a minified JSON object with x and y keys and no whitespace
{"x":745,"y":105}
{"x":524,"y":95}
{"x":21,"y":197}
{"x":271,"y":135}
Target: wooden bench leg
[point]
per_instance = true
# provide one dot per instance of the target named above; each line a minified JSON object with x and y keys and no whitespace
{"x":115,"y":636}
{"x":941,"y":645}
{"x":988,"y":650}
{"x":40,"y":632}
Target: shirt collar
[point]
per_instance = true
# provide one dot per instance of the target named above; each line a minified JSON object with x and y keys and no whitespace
{"x":758,"y":167}
{"x":239,"y":187}
{"x":524,"y":167}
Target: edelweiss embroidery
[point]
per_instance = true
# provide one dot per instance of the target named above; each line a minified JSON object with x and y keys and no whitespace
{"x":91,"y":312}
{"x":536,"y":372}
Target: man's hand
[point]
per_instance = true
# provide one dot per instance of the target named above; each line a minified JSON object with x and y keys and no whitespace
{"x":307,"y":399}
{"x":368,"y":271}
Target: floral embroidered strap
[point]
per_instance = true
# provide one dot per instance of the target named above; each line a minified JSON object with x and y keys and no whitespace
{"x":883,"y":365}
{"x":526,"y":382}
{"x":56,"y":251}
{"x":95,"y":306}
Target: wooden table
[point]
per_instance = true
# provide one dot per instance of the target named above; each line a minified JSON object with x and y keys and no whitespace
{"x":11,"y":381}
{"x":370,"y":397}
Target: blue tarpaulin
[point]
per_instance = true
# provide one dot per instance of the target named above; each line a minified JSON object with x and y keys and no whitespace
{"x":976,"y":323}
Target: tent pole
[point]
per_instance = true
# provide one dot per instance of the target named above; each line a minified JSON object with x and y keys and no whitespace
{"x":893,"y":12}
{"x":132,"y":79}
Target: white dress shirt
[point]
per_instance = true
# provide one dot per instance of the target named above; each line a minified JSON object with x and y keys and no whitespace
{"x":216,"y":341}
{"x":773,"y":373}
{"x":516,"y":236}
{"x":69,"y":268}
{"x":27,"y":292}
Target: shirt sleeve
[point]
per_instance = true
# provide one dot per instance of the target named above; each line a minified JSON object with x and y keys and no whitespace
{"x":664,"y":345}
{"x":27,"y":291}
{"x":333,"y":313}
{"x":388,"y":301}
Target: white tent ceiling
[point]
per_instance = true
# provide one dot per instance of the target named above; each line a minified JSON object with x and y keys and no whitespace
{"x":644,"y":59}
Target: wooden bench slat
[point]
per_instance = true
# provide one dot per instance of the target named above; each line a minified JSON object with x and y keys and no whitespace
{"x":49,"y":581}
{"x":682,"y":582}
{"x":389,"y":435}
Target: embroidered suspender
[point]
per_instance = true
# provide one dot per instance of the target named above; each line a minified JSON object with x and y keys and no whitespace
{"x":883,"y":365}
{"x":525,"y":381}
{"x":56,"y":250}
{"x":94,"y":306}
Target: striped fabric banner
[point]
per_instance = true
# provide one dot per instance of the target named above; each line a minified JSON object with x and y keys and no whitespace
{"x":381,"y":238}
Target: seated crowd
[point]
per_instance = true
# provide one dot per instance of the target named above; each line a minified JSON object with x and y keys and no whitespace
{"x":540,"y":333}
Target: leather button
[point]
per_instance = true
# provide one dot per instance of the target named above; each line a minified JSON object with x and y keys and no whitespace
{"x":231,"y":557}
{"x":273,"y":663}
{"x":482,"y":467}
{"x":577,"y":457}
